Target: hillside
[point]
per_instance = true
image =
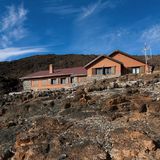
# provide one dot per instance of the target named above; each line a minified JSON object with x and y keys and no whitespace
{"x":10,"y":72}
{"x":112,"y":119}
{"x":18,"y":68}
{"x":109,"y":119}
{"x":154,"y":61}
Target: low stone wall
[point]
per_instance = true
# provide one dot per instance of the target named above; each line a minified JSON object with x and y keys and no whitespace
{"x":26,"y":85}
{"x":93,"y":78}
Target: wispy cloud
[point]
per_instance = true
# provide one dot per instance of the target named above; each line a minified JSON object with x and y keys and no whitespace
{"x":12,"y":25}
{"x":61,"y":9}
{"x":6,"y":53}
{"x":93,"y":32}
{"x":151,"y":35}
{"x":81,"y":12}
{"x":12,"y":29}
{"x":95,"y":8}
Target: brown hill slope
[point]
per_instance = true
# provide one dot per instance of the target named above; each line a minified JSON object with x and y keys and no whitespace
{"x":12,"y":71}
{"x":16,"y":69}
{"x":90,"y":122}
{"x":154,"y":61}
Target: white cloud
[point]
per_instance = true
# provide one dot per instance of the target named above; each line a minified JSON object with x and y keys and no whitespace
{"x":151,"y":35}
{"x":62,"y":9}
{"x":87,"y":11}
{"x":93,"y":8}
{"x":12,"y":25}
{"x":82,"y":12}
{"x":6,"y":53}
{"x":97,"y":7}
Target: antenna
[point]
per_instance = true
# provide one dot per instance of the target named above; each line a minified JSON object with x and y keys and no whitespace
{"x":147,"y":56}
{"x":151,"y":55}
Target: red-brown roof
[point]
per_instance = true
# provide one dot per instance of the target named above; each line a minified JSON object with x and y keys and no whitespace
{"x":125,"y":54}
{"x":99,"y":57}
{"x":76,"y":71}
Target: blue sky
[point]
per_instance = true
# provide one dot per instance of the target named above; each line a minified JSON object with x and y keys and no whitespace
{"x":32,"y":27}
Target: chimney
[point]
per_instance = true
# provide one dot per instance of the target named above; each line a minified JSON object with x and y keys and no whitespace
{"x":51,"y":69}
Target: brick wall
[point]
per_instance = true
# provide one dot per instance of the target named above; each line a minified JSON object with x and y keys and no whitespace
{"x":102,"y":63}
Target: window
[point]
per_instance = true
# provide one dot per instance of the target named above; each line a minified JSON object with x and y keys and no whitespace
{"x":35,"y":83}
{"x":107,"y":70}
{"x":72,"y":79}
{"x":63,"y":80}
{"x":44,"y":82}
{"x":99,"y":71}
{"x":136,"y":70}
{"x":103,"y":71}
{"x":53,"y":81}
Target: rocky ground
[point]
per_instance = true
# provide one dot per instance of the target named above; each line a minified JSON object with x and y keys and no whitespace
{"x":116,"y":119}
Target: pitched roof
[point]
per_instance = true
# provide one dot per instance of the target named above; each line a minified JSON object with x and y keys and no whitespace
{"x":102,"y":56}
{"x":125,"y":54}
{"x":57,"y":72}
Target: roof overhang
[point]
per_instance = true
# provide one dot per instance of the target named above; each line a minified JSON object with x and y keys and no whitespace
{"x":99,"y":57}
{"x":125,"y":54}
{"x":50,"y":76}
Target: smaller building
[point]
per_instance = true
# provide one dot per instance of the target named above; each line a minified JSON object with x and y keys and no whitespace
{"x":130,"y":63}
{"x":117,"y":63}
{"x":54,"y":78}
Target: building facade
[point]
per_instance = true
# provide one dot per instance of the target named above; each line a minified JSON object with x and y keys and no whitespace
{"x":130,"y":64}
{"x":103,"y":65}
{"x":54,"y":78}
{"x":116,"y":64}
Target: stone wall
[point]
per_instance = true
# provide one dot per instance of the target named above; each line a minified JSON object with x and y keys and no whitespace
{"x":90,"y":79}
{"x":26,"y":85}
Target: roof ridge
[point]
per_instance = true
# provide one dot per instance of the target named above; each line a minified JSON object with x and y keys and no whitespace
{"x":70,"y":67}
{"x":57,"y":72}
{"x":100,"y":57}
{"x":126,"y":54}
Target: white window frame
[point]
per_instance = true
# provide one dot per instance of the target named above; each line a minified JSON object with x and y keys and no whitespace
{"x":53,"y":80}
{"x":136,"y":70}
{"x":99,"y":71}
{"x":108,"y":69}
{"x":64,"y":81}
